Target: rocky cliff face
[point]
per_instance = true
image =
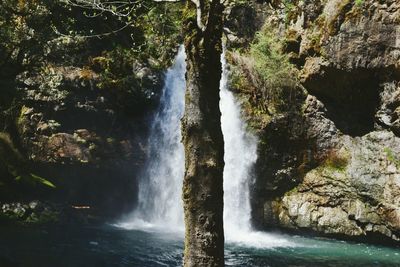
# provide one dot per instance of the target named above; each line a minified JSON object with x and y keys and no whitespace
{"x":329,"y":160}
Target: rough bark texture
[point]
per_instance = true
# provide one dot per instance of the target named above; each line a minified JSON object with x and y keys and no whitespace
{"x":203,"y":141}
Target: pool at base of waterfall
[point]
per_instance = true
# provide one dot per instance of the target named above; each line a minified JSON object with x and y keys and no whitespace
{"x":110,"y":246}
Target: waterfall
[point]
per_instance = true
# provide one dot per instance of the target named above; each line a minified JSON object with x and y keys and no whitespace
{"x":159,"y":201}
{"x":240,"y":155}
{"x":160,"y":204}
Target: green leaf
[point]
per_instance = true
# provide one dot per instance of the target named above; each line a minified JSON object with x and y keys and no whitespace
{"x":42,"y":180}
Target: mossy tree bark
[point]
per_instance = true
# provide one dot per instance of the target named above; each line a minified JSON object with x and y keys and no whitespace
{"x":202,"y":137}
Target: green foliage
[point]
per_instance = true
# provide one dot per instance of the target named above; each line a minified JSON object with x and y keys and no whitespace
{"x":24,"y":30}
{"x":290,"y":9}
{"x":14,"y":170}
{"x":38,"y":33}
{"x":145,"y":40}
{"x":23,"y":26}
{"x":244,"y":80}
{"x":8,"y":152}
{"x":264,"y":78}
{"x":276,"y":76}
{"x":119,"y":77}
{"x":359,"y":2}
{"x":25,"y":214}
{"x":150,"y":29}
{"x":162,"y":31}
{"x":392,"y":157}
{"x":271,"y":64}
{"x":336,"y":160}
{"x":34,"y":180}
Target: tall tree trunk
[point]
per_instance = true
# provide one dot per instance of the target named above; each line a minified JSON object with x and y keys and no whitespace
{"x":203,"y":140}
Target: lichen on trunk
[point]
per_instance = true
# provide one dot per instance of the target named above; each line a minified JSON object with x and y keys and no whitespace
{"x":203,"y":140}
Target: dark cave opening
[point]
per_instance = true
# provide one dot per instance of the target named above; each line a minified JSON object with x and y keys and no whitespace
{"x":351,"y":98}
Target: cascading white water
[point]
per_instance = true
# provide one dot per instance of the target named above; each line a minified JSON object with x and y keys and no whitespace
{"x":160,"y":204}
{"x":160,"y":184}
{"x":240,"y":156}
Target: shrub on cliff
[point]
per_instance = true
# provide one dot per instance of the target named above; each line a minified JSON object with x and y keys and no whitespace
{"x":275,"y":74}
{"x":264,"y":77}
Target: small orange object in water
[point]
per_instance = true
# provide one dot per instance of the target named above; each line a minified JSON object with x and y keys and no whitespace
{"x":80,"y":207}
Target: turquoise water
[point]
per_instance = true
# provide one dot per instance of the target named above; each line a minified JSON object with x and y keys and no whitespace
{"x":110,"y":246}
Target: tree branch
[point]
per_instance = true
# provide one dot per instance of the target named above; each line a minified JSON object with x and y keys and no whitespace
{"x":121,"y":8}
{"x":199,"y":9}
